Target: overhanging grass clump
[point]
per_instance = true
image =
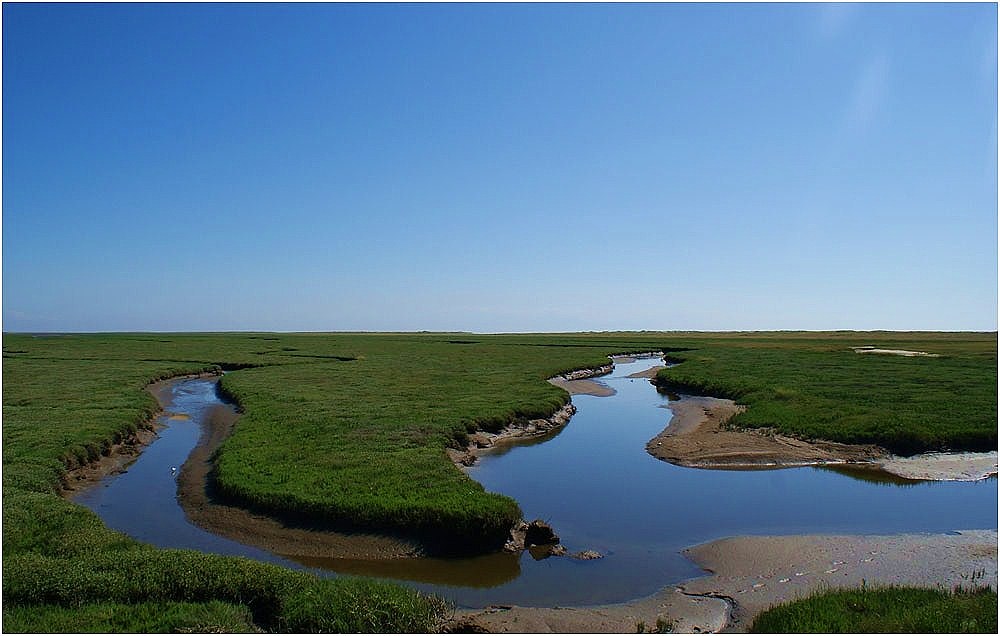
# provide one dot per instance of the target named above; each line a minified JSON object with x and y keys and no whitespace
{"x":885,"y":610}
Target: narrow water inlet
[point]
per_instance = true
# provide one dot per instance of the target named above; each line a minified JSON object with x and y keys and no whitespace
{"x":597,"y":486}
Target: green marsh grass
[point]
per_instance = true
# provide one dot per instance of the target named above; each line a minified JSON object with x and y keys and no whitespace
{"x":885,"y":610}
{"x":352,"y":429}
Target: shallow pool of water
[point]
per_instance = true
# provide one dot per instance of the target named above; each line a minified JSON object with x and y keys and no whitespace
{"x":600,"y":490}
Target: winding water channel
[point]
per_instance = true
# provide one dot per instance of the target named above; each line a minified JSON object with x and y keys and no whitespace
{"x":596,"y":485}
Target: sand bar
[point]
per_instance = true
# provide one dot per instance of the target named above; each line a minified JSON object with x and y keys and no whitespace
{"x":582,"y":387}
{"x":696,"y":437}
{"x":943,"y":466}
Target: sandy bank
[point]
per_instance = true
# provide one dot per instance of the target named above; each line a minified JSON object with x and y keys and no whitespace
{"x":943,"y":466}
{"x":278,"y":536}
{"x":696,"y":437}
{"x":649,"y":373}
{"x":582,"y":387}
{"x":753,"y":573}
{"x":749,"y":574}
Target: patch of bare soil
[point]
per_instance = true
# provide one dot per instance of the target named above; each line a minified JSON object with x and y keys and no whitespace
{"x":754,"y":573}
{"x":118,"y":457}
{"x":749,"y":574}
{"x":116,"y":460}
{"x":582,"y":387}
{"x":696,"y":437}
{"x":943,"y":466}
{"x":668,"y":609}
{"x":649,"y":373}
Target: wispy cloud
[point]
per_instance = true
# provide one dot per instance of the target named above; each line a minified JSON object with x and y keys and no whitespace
{"x":869,"y":94}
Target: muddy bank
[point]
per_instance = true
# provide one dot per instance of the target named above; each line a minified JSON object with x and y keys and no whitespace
{"x":749,"y":574}
{"x":271,"y":534}
{"x":114,"y":461}
{"x":117,"y":457}
{"x":517,"y":431}
{"x":753,"y":573}
{"x":696,"y":437}
{"x":577,"y":382}
{"x":669,"y":610}
{"x":582,"y":387}
{"x":649,"y":373}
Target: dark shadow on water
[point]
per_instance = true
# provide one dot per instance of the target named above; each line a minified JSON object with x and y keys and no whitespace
{"x":485,"y":571}
{"x":872,"y":475}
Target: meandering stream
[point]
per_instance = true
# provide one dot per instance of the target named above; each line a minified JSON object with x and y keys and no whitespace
{"x":596,"y":485}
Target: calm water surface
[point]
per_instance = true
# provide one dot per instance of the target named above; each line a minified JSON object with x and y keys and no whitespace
{"x":600,"y":490}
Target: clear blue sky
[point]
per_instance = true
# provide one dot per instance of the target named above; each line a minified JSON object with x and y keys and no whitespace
{"x":499,"y":168}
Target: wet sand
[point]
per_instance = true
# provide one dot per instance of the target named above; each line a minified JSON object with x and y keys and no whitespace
{"x":582,"y":387}
{"x":749,"y":574}
{"x":649,"y":373}
{"x":943,"y":466}
{"x":696,"y":437}
{"x":753,"y":573}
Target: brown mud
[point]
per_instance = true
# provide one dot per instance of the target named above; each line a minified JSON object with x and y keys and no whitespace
{"x":119,"y":456}
{"x":697,"y":437}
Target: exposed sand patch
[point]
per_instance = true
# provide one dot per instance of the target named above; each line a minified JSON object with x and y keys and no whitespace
{"x":757,"y":572}
{"x":686,"y":614}
{"x":749,"y":574}
{"x":649,"y":373}
{"x":696,"y":437}
{"x":943,"y":466}
{"x":582,"y":387}
{"x":894,"y":352}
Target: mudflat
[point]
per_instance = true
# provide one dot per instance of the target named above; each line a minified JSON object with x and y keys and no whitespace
{"x":943,"y":466}
{"x":696,"y":437}
{"x":754,"y":573}
{"x":582,"y":387}
{"x":750,"y":574}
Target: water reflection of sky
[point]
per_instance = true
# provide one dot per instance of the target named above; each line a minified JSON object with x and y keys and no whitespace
{"x":597,"y":486}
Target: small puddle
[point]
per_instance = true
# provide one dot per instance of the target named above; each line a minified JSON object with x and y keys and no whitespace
{"x":600,"y":490}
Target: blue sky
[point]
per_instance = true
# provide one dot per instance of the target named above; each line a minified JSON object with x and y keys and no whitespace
{"x":499,"y":167}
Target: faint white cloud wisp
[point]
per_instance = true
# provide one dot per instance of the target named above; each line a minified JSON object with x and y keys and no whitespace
{"x":834,"y":17}
{"x":869,"y":94}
